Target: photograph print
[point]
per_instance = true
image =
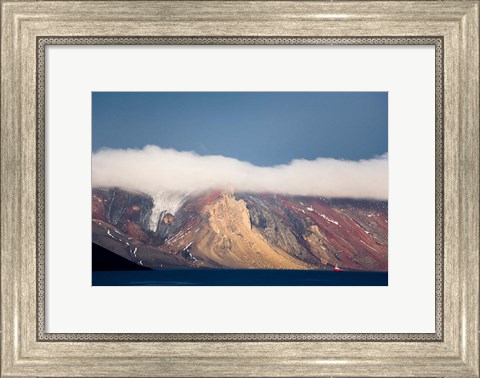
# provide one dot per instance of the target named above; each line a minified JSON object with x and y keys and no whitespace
{"x":240,"y":188}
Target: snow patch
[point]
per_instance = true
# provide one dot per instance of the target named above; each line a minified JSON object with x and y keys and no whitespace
{"x":167,"y":202}
{"x":113,"y":237}
{"x":329,"y":219}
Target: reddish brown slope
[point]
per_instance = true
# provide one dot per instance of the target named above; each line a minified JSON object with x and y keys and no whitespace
{"x":249,"y":230}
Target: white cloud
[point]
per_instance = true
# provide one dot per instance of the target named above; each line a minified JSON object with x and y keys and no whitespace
{"x":153,"y":170}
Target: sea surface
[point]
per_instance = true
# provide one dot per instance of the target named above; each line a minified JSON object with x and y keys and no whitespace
{"x":238,"y":277}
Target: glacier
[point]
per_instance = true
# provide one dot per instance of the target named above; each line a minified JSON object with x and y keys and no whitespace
{"x":163,"y":203}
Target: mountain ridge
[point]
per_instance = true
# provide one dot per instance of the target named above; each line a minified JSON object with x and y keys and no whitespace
{"x":225,"y":229}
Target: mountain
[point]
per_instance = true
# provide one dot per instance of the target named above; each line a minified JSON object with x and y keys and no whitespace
{"x":225,"y":229}
{"x":103,"y":259}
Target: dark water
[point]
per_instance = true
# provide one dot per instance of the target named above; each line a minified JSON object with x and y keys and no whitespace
{"x":238,"y":277}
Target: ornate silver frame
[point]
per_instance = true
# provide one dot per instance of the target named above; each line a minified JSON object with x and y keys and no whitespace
{"x":28,"y":26}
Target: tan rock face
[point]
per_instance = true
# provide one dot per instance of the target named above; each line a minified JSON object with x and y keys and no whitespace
{"x":228,"y":214}
{"x":230,"y":239}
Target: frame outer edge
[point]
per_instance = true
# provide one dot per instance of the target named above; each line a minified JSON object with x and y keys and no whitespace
{"x":9,"y":204}
{"x":10,"y":227}
{"x":469,"y":156}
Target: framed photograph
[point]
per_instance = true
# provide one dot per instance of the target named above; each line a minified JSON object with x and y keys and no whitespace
{"x":240,"y":188}
{"x":226,"y":196}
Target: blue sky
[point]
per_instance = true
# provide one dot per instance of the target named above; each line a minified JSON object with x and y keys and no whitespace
{"x":263,"y":128}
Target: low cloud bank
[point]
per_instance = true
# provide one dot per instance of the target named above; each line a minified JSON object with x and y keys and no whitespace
{"x":154,"y":170}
